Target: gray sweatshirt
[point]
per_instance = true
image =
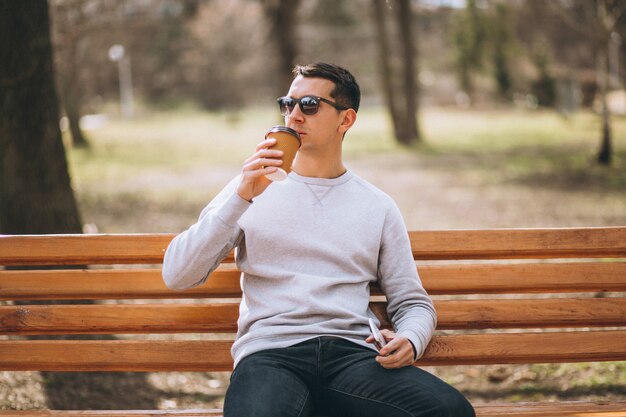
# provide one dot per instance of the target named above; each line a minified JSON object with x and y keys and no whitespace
{"x":308,"y":248}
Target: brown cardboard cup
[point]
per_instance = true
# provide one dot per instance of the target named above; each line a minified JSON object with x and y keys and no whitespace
{"x":288,"y":141}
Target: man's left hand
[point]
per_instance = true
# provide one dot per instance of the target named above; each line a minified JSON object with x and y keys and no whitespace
{"x":397,"y":353}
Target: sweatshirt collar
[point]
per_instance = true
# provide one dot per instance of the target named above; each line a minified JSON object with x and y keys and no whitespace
{"x":328,"y":182}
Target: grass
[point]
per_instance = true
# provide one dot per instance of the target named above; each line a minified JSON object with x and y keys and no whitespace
{"x":530,"y":147}
{"x":525,"y":142}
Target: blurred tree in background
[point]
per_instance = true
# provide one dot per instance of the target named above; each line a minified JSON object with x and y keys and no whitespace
{"x":397,"y":67}
{"x":502,"y":39}
{"x":283,"y":21}
{"x":226,"y":55}
{"x":599,"y":21}
{"x":470,"y":38}
{"x":212,"y":51}
{"x":35,"y":191}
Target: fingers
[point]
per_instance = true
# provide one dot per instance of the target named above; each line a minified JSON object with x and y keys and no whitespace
{"x":263,"y":157}
{"x":396,"y":354}
{"x":264,"y":161}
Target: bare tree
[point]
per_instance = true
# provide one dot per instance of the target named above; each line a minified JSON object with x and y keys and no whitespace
{"x":35,"y":191}
{"x":402,"y":100}
{"x":470,"y":44}
{"x":598,"y":20}
{"x":68,"y":29}
{"x":409,"y":56}
{"x":384,"y":65}
{"x":282,"y":15}
{"x":608,"y":13}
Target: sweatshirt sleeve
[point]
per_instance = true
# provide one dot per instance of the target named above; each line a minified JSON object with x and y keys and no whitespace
{"x":410,"y":308}
{"x":193,"y":254}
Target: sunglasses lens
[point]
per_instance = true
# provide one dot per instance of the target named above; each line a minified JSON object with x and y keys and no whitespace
{"x":286,"y":105}
{"x":309,"y":105}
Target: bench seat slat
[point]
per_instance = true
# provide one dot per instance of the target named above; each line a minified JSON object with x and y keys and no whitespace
{"x":554,"y":409}
{"x":221,"y":318}
{"x":511,"y":348}
{"x":438,"y":279}
{"x":113,"y":413}
{"x":211,"y":355}
{"x":521,"y":409}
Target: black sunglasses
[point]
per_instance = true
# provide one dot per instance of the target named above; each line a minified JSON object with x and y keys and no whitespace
{"x":309,"y":105}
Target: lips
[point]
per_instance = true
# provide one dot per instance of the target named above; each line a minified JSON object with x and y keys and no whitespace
{"x":300,"y":132}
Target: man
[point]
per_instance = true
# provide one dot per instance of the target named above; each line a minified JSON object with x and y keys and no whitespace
{"x":308,"y":248}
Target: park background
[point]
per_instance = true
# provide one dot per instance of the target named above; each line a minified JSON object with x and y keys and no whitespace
{"x":475,"y":114}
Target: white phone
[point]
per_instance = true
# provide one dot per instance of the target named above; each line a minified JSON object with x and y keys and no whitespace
{"x":379,"y":340}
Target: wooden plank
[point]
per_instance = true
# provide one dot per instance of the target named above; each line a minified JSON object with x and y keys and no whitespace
{"x":83,"y":249}
{"x":437,"y":279}
{"x":520,"y":409}
{"x":524,"y":278}
{"x":100,"y":284}
{"x":211,"y":355}
{"x":113,"y":413}
{"x":553,"y":409}
{"x":222,"y":318}
{"x":541,"y":347}
{"x":448,"y":244}
{"x":118,"y":319}
{"x":524,"y":313}
{"x":599,"y":242}
{"x":116,"y":355}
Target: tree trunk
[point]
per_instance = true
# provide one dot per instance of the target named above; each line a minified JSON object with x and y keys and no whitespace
{"x":73,"y":116}
{"x":386,"y":75}
{"x":72,"y":111}
{"x":282,"y":15}
{"x":605,"y":152}
{"x":70,"y":94}
{"x":35,"y":191}
{"x":405,"y":20}
{"x":603,"y":36}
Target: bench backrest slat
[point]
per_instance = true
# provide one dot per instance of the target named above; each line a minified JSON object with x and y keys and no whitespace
{"x":453,"y":244}
{"x":437,"y":279}
{"x":192,"y":318}
{"x":520,"y":243}
{"x":83,"y":249}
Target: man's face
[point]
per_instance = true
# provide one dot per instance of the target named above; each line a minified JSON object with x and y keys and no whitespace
{"x":318,"y":129}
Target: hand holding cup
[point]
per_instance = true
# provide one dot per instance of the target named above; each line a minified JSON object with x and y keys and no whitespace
{"x":271,"y":162}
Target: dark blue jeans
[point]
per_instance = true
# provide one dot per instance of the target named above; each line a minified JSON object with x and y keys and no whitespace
{"x":334,"y":377}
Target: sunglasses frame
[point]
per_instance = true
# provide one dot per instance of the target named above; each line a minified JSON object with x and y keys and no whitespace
{"x":298,"y":101}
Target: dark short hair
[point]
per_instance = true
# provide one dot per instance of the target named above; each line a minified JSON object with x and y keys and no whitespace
{"x":346,"y":92}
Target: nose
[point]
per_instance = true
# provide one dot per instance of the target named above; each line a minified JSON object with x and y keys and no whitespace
{"x":296,"y":115}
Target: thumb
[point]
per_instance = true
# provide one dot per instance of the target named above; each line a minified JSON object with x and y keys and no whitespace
{"x":391,"y":346}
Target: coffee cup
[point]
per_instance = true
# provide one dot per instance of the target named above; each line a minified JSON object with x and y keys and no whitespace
{"x":288,"y":141}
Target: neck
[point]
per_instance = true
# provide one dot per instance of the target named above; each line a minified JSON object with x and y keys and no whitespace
{"x":318,"y":167}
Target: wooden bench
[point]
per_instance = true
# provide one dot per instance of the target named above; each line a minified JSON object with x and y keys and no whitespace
{"x":503,"y":297}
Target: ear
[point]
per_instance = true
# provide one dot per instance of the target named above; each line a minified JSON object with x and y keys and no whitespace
{"x":348,"y":120}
